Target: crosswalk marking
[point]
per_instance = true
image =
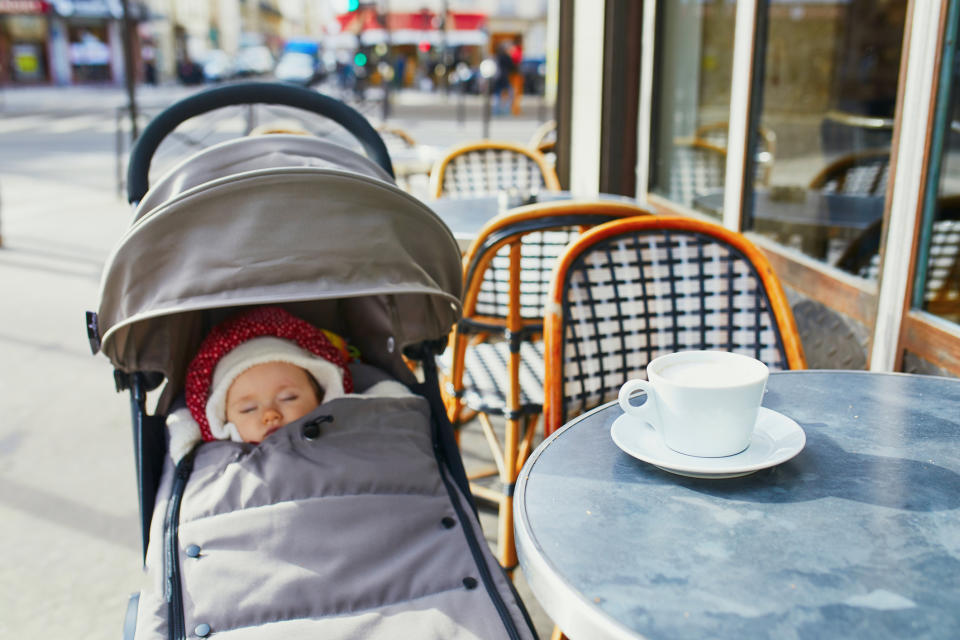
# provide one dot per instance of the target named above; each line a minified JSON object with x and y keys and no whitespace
{"x":74,"y":123}
{"x":22,"y":123}
{"x":107,"y":123}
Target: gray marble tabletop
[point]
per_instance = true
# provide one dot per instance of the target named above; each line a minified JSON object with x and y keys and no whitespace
{"x":467,"y":216}
{"x":856,"y":536}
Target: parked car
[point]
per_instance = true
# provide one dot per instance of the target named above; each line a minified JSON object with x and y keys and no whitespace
{"x":218,"y":66}
{"x":298,"y":68}
{"x":254,"y":61}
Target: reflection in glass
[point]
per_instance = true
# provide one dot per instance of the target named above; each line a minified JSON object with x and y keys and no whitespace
{"x":829,"y":86}
{"x":692,"y":95}
{"x":938,"y":282}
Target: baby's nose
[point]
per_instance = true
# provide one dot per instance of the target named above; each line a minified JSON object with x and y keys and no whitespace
{"x":271,"y":417}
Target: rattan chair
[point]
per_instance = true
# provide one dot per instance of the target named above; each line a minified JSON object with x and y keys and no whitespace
{"x":715,"y":134}
{"x":631,"y":290}
{"x":486,"y":168}
{"x":494,"y":363}
{"x":864,"y":173}
{"x":696,"y":168}
{"x":544,"y":140}
{"x":941,"y":294}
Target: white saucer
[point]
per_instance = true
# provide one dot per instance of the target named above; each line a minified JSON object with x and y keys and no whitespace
{"x":776,"y":439}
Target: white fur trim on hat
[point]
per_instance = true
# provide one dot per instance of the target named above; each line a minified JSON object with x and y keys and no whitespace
{"x":259,"y":351}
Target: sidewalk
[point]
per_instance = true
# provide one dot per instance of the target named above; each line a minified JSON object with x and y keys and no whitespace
{"x":405,"y":103}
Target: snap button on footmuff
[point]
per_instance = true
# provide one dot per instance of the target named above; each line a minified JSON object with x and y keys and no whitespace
{"x":311,"y":430}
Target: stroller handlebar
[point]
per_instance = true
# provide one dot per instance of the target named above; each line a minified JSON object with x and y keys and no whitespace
{"x":247,"y":93}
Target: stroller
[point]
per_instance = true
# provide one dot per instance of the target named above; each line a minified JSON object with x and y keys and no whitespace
{"x":376,"y":535}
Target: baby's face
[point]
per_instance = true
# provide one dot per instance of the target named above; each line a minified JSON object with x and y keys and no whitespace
{"x":268,"y":396}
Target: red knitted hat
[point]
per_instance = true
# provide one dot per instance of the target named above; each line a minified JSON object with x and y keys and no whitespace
{"x":237,"y":330}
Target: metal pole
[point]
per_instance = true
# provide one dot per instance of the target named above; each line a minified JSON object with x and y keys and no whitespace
{"x":129,"y":71}
{"x":388,"y":82}
{"x":444,"y":58}
{"x":120,"y":150}
{"x":486,"y":107}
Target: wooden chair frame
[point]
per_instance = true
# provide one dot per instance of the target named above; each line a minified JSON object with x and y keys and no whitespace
{"x":509,"y":230}
{"x":840,"y":167}
{"x":544,"y":139}
{"x":553,"y":320}
{"x":715,"y":134}
{"x":550,"y":180}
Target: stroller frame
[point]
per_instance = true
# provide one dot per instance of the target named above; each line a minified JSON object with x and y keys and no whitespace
{"x":148,"y":430}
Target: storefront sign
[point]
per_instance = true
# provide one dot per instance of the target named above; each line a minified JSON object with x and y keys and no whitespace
{"x":24,"y":6}
{"x":89,"y":8}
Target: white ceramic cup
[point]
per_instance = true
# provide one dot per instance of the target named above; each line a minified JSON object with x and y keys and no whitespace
{"x":701,"y":403}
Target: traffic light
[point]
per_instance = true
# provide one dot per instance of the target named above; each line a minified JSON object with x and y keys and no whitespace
{"x":353,"y":5}
{"x":360,"y":59}
{"x":424,"y":47}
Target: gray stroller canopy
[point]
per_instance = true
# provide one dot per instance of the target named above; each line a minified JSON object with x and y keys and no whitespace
{"x":344,"y":249}
{"x":257,"y":152}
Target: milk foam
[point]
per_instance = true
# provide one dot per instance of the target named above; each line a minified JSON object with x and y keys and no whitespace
{"x":709,"y":373}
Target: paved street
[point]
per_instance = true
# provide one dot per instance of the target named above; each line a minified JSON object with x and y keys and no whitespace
{"x":68,"y":500}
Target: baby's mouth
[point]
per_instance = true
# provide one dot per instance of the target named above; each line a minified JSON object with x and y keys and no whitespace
{"x":269,"y":433}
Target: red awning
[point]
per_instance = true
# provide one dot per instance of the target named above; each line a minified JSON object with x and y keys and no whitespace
{"x":24,"y":6}
{"x":366,"y":19}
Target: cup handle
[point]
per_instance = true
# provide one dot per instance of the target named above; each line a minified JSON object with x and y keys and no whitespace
{"x":644,"y":411}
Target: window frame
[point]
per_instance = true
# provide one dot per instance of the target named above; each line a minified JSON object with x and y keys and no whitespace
{"x":884,"y":307}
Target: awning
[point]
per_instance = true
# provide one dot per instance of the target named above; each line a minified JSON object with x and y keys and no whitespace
{"x":104,"y":9}
{"x":23,"y":7}
{"x":417,"y":27}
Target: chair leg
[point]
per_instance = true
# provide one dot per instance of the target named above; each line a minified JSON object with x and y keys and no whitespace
{"x":557,"y":634}
{"x":526,"y":445}
{"x":505,"y":541}
{"x":506,"y":549}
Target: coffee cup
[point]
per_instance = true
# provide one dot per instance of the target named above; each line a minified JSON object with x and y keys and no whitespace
{"x":701,"y":403}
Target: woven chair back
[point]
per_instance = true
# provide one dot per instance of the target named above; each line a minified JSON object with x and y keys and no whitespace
{"x":629,"y":293}
{"x":863,"y":174}
{"x":486,"y":169}
{"x":697,"y":168}
{"x":538,"y":252}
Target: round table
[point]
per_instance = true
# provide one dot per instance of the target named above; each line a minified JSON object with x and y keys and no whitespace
{"x":466,"y":216}
{"x":856,"y":536}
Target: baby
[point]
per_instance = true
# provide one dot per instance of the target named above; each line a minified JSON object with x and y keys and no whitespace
{"x":268,"y":396}
{"x":255,"y":373}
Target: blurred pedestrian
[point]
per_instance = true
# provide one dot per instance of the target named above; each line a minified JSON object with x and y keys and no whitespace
{"x":502,"y":89}
{"x":516,"y":78}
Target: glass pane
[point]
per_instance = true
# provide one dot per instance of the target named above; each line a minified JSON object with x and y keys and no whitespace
{"x":692,"y":101}
{"x":829,"y":88}
{"x":939,"y":279}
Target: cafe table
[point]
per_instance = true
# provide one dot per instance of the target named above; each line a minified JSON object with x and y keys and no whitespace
{"x":813,"y":214}
{"x":466,"y":216}
{"x":856,"y":535}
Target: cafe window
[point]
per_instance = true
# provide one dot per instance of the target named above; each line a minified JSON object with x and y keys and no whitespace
{"x":826,"y":92}
{"x":693,"y":70}
{"x":937,"y":287}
